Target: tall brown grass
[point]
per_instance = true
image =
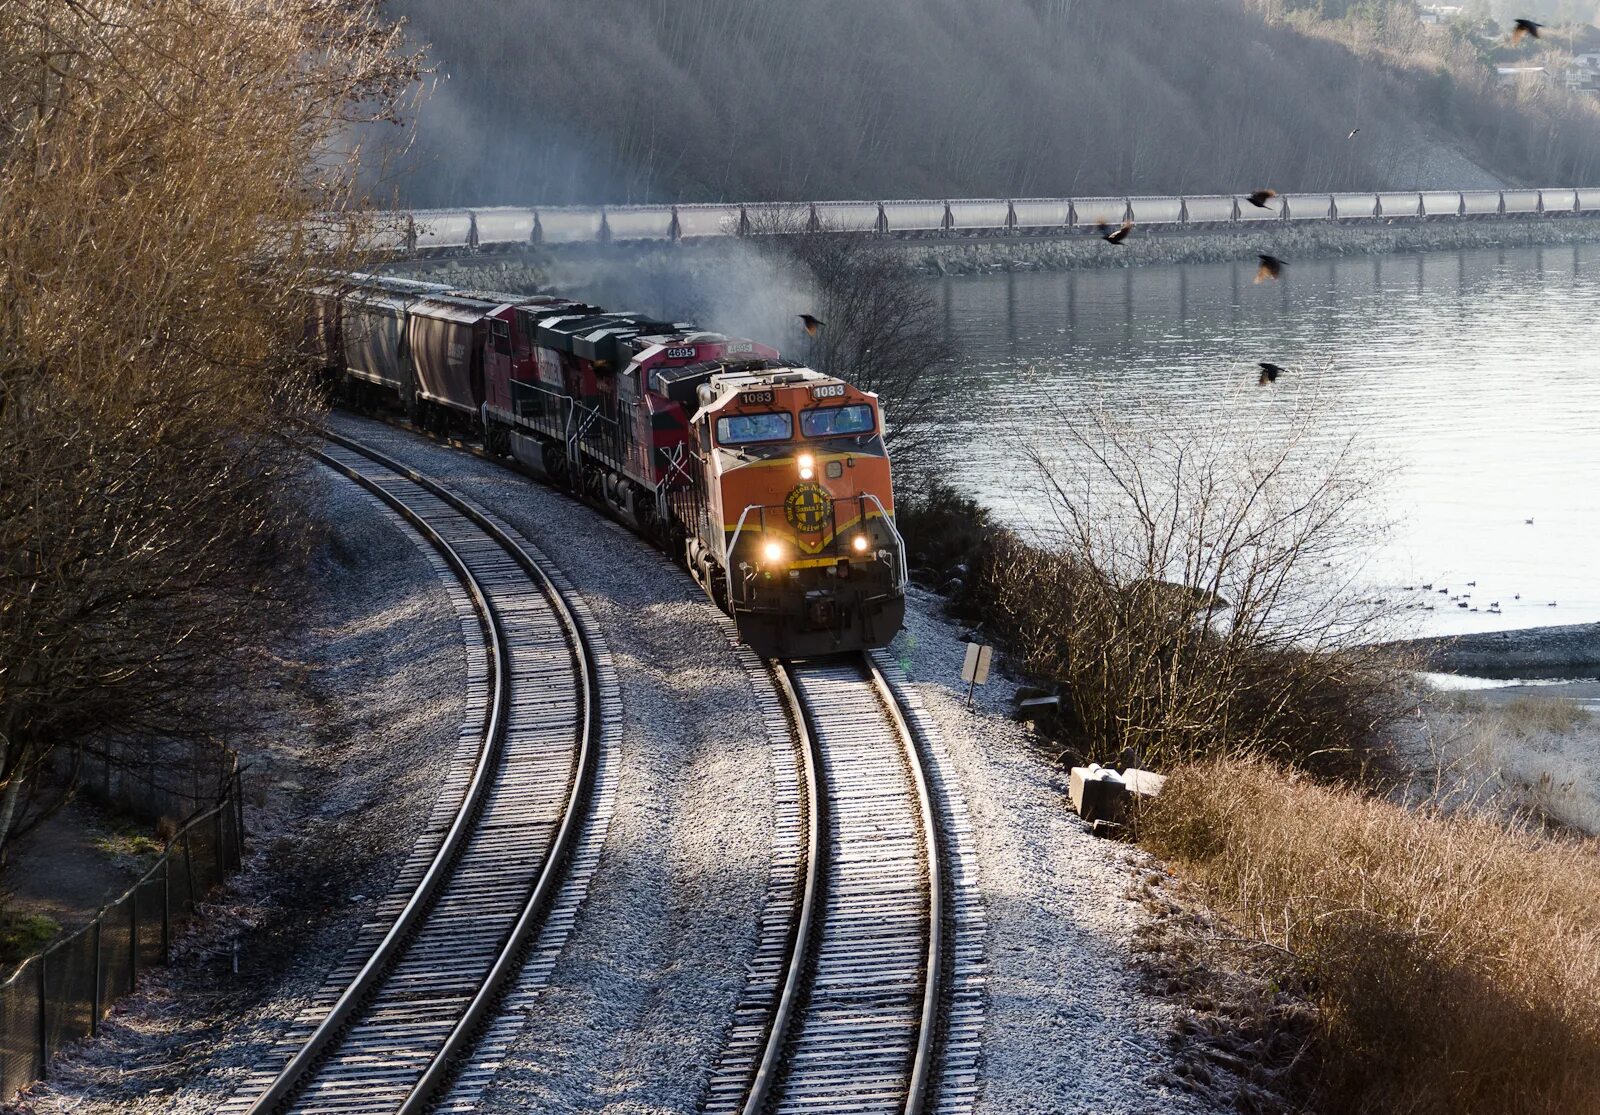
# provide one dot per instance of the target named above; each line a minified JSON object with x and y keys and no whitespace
{"x":1455,"y":960}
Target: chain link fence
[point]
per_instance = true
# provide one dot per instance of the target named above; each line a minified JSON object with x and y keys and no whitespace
{"x":61,"y":994}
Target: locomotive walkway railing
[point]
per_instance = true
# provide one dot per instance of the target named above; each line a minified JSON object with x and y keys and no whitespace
{"x":470,"y":229}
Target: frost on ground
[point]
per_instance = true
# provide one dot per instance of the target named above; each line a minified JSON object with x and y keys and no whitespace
{"x":1512,"y":749}
{"x":1070,"y":1028}
{"x":642,"y":995}
{"x":340,"y":772}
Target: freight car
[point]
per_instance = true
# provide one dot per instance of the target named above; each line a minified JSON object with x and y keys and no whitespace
{"x":770,"y":481}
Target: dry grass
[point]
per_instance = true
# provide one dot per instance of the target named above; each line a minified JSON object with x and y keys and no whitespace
{"x":1455,"y":961}
{"x":1532,"y":755}
{"x":1529,"y":715}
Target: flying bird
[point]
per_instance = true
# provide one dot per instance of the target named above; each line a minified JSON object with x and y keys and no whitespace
{"x":812,"y":324}
{"x":1259,"y":198}
{"x":1352,"y":134}
{"x":1269,"y":374}
{"x":1271,"y":267}
{"x":1523,"y":28}
{"x":1116,"y":235}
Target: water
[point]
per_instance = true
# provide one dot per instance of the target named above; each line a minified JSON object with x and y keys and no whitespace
{"x":1473,"y":376}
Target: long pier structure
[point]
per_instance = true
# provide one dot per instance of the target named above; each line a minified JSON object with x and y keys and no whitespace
{"x":446,"y":231}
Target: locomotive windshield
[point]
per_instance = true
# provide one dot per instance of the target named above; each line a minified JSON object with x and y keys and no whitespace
{"x":747,"y":429}
{"x":835,"y":421}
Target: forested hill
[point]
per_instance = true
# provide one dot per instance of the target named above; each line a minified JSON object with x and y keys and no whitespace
{"x":653,"y":100}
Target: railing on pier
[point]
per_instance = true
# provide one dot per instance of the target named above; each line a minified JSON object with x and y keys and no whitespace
{"x":472,"y":229}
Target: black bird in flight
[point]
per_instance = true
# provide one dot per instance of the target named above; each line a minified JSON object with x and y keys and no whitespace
{"x":1116,"y":235}
{"x":1525,"y":27}
{"x":1352,"y":134}
{"x":812,"y":324}
{"x":1269,"y":374}
{"x":1271,"y":267}
{"x":1259,"y":198}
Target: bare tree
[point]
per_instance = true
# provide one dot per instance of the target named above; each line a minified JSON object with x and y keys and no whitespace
{"x":156,"y":161}
{"x":882,"y":332}
{"x":1200,"y":590}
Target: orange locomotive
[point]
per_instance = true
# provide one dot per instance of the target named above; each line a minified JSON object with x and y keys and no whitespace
{"x":769,"y":480}
{"x":797,"y":540}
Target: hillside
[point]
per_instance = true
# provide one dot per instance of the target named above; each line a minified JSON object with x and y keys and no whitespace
{"x":721,"y":99}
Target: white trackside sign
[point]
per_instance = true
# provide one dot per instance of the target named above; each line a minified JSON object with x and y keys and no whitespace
{"x":975,"y":670}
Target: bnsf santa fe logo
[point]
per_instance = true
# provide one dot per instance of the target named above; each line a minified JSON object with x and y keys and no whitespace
{"x":808,"y":508}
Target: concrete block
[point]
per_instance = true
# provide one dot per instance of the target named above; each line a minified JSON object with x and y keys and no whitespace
{"x":1030,"y":709}
{"x":1143,"y":783}
{"x":1106,"y":799}
{"x":1097,"y":793}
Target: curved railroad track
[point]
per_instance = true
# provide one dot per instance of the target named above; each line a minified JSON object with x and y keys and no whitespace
{"x":866,"y":992}
{"x":491,"y":867}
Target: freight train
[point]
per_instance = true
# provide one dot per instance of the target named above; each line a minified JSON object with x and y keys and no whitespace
{"x":767,"y":479}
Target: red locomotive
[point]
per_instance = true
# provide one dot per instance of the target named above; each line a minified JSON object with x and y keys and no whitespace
{"x":769,"y":480}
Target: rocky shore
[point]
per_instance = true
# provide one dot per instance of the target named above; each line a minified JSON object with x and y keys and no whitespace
{"x":1528,"y":652}
{"x":1298,"y":241}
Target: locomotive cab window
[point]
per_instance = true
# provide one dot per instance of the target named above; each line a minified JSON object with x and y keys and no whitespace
{"x":836,"y":421}
{"x":501,"y":331}
{"x":747,"y":429}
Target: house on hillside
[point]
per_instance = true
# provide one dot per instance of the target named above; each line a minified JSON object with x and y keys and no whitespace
{"x":1582,"y":74}
{"x":1439,"y":15}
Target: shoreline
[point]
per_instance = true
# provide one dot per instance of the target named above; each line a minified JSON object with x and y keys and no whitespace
{"x":1528,"y":652}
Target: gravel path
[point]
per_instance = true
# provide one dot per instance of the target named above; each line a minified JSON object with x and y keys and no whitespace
{"x":639,"y":1001}
{"x":1068,"y":1028}
{"x":340,"y":774}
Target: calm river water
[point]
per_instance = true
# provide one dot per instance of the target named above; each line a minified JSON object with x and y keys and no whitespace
{"x":1474,"y":377}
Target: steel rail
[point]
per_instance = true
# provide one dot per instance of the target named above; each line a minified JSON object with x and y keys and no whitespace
{"x":767,"y":1075}
{"x":349,"y":1003}
{"x":767,"y":1087}
{"x":927,"y":1030}
{"x":302,"y":1066}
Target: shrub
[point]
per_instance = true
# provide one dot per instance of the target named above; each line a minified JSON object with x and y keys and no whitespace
{"x":1454,"y":961}
{"x":1181,"y":606}
{"x":942,"y":527}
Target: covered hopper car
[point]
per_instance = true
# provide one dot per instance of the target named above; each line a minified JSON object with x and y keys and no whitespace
{"x":770,"y":481}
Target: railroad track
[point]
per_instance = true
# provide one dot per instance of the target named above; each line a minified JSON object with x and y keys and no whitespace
{"x":865,"y":994}
{"x":508,"y":849}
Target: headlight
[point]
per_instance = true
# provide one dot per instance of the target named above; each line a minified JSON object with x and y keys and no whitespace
{"x":860,"y":543}
{"x":772,"y":552}
{"x":808,"y":466}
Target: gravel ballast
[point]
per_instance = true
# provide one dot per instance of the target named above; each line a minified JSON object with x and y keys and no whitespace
{"x":1069,"y":1028}
{"x":340,"y":775}
{"x":640,"y":999}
